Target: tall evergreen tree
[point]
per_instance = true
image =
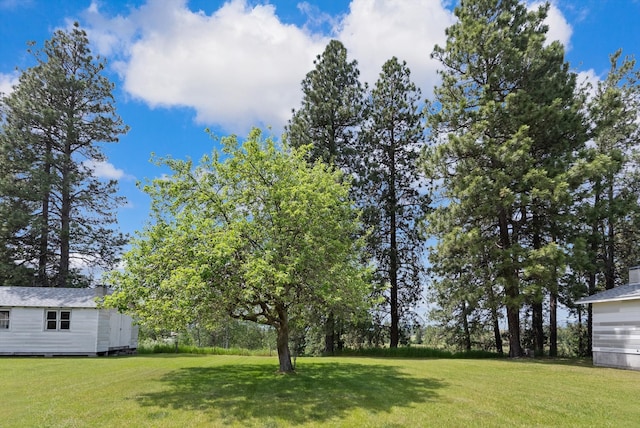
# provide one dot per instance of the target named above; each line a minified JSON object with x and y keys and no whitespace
{"x":463,"y":285}
{"x":329,"y":119}
{"x":506,"y":128}
{"x":388,"y":181}
{"x":609,"y":209}
{"x":332,"y":108}
{"x":615,"y":131}
{"x":54,"y":120}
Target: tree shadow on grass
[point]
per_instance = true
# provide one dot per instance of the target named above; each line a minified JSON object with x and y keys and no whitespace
{"x":316,"y":393}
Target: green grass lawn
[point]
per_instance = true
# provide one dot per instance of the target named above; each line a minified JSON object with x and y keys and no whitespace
{"x":245,"y":391}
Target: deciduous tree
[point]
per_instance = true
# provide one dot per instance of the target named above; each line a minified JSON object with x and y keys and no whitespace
{"x":256,"y":233}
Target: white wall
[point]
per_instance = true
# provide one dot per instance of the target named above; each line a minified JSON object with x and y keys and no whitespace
{"x":27,"y":335}
{"x":123,"y":333}
{"x":91,"y":332}
{"x":616,"y":334}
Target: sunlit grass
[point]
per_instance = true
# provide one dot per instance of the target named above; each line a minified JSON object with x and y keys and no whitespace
{"x":186,"y":391}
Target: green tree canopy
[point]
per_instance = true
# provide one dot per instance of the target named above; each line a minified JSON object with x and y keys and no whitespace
{"x":332,"y":108}
{"x":328,"y":121}
{"x":255,"y":232}
{"x":506,"y":125}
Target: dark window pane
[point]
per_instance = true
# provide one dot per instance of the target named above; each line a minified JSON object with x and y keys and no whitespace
{"x":64,"y":325}
{"x":51,"y":325}
{"x":65,"y":315}
{"x":51,"y":315}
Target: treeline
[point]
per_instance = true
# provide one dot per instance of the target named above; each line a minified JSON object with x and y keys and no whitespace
{"x":526,"y":178}
{"x":536,"y":175}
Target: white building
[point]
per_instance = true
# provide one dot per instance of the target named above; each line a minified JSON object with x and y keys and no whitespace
{"x":61,"y":321}
{"x":616,"y":324}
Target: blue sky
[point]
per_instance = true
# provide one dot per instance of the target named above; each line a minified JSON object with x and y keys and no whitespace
{"x":181,"y":66}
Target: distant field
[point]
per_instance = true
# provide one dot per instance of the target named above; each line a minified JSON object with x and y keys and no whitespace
{"x":190,"y":391}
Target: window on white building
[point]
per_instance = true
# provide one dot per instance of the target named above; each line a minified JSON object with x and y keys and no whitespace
{"x":57,"y":320}
{"x":4,"y":319}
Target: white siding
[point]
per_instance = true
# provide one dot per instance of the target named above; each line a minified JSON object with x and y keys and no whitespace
{"x":133,"y":341}
{"x":122,"y":331}
{"x":27,"y":334}
{"x":616,"y":330}
{"x":104,"y":328}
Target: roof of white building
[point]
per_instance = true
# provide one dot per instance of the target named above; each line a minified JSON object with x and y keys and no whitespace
{"x":50,"y":297}
{"x":623,"y":292}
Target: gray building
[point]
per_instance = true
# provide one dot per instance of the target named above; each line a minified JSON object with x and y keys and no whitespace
{"x":61,"y":321}
{"x":616,"y":324}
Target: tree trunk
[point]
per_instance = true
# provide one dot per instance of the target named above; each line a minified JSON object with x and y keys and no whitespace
{"x":496,"y":332}
{"x":610,"y":268}
{"x":65,"y":216}
{"x":511,"y":289}
{"x":513,"y":321}
{"x":393,"y":261}
{"x":494,"y":319}
{"x":591,"y":290}
{"x":393,"y":277}
{"x":43,"y":256}
{"x":538,"y":327}
{"x":65,"y":233}
{"x":329,"y":334}
{"x":465,"y":326}
{"x":284,"y":354}
{"x":553,"y":324}
{"x":589,"y":330}
{"x":537,"y":322}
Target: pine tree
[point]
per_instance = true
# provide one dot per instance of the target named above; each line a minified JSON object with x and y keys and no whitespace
{"x":54,"y":120}
{"x":328,"y":120}
{"x":507,"y":125}
{"x":332,"y":108}
{"x":608,"y":212}
{"x":388,"y":180}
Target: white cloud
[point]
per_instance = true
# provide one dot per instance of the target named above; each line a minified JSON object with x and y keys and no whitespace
{"x":6,"y":83}
{"x":109,"y":36}
{"x":238,"y":67}
{"x":559,"y":28}
{"x":590,"y":80}
{"x":242,"y":66}
{"x":375,"y":30}
{"x":105,"y":170}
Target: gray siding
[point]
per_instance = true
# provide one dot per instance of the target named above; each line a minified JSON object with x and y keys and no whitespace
{"x":616,"y":334}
